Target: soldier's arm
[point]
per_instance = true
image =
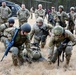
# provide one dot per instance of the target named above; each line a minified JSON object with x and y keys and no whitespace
{"x":9,"y":32}
{"x":70,"y":36}
{"x":27,"y":43}
{"x":51,"y":45}
{"x":74,"y":16}
{"x":10,"y":12}
{"x":43,"y":13}
{"x":18,"y":14}
{"x":36,"y":14}
{"x":2,"y":27}
{"x":50,"y":26}
{"x":56,"y":17}
{"x":0,"y":11}
{"x":65,"y":16}
{"x":28,"y":13}
{"x":32,"y":32}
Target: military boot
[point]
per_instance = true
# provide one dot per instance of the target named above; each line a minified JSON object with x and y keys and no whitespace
{"x":42,"y":46}
{"x":15,"y":61}
{"x":67,"y":61}
{"x":21,"y":60}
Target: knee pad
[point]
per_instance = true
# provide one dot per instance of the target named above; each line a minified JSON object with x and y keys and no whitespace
{"x":68,"y":49}
{"x":14,"y":50}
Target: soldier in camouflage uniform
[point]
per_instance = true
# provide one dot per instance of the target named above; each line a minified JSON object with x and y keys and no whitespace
{"x":40,"y":12}
{"x":23,"y":14}
{"x":53,"y":17}
{"x":58,"y":35}
{"x":62,"y":16}
{"x":31,"y":12}
{"x":72,"y":16}
{"x":5,"y":13}
{"x":9,"y":24}
{"x":39,"y":33}
{"x":21,"y":38}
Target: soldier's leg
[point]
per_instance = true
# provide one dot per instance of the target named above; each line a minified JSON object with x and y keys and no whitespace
{"x":68,"y":52}
{"x":43,"y":41}
{"x":20,"y":58}
{"x":50,"y":55}
{"x":14,"y":51}
{"x":3,"y":40}
{"x":53,"y":56}
{"x":36,"y":40}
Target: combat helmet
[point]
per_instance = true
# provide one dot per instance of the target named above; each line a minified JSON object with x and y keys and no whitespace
{"x":39,"y":19}
{"x":36,"y":54}
{"x":72,"y":8}
{"x":61,"y":6}
{"x":26,"y":27}
{"x":11,"y":20}
{"x":58,"y":30}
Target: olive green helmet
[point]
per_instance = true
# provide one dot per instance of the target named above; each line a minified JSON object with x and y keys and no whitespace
{"x":39,"y":19}
{"x":61,"y":6}
{"x":72,"y":8}
{"x":36,"y":54}
{"x":58,"y":30}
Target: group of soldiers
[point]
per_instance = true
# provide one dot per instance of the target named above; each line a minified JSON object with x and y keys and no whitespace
{"x":57,"y":28}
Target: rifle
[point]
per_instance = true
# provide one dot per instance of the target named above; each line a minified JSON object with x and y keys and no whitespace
{"x":61,"y":46}
{"x":44,"y":30}
{"x":70,"y":20}
{"x":10,"y":44}
{"x":45,"y":33}
{"x":51,"y":19}
{"x":61,"y":23}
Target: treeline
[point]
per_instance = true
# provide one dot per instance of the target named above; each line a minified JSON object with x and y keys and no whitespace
{"x":46,"y":3}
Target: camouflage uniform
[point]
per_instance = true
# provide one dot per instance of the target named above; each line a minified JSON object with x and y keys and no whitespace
{"x":31,"y":12}
{"x":62,"y":17}
{"x":53,"y":18}
{"x":17,"y":47}
{"x":72,"y":17}
{"x":71,"y":22}
{"x":2,"y":28}
{"x":38,"y":33}
{"x":23,"y":15}
{"x":5,"y":13}
{"x":55,"y":41}
{"x":40,"y":13}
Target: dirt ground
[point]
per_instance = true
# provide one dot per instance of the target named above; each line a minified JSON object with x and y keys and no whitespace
{"x":36,"y":68}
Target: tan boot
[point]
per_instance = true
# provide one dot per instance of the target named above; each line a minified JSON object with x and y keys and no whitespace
{"x":42,"y":46}
{"x":67,"y":61}
{"x":15,"y":61}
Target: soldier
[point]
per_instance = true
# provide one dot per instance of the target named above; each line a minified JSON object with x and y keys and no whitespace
{"x":23,"y":14}
{"x":21,"y":38}
{"x":53,"y":17}
{"x":31,"y":12}
{"x":62,"y":16}
{"x":5,"y":13}
{"x":40,"y":32}
{"x":71,"y":19}
{"x":58,"y":35}
{"x":9,"y":24}
{"x":40,"y":12}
